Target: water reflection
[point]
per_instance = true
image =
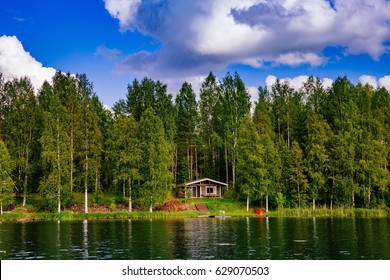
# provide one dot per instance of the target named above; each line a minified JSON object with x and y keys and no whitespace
{"x":85,"y":253}
{"x":230,"y":238}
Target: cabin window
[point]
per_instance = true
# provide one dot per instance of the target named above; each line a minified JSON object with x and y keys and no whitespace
{"x":210,"y":190}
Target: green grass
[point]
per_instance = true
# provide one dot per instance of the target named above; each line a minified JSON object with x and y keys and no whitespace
{"x":215,"y":205}
{"x":337,"y":212}
{"x":219,"y":204}
{"x":70,"y":216}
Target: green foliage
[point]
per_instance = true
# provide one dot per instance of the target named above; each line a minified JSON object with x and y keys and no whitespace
{"x":55,"y":144}
{"x":233,"y":105}
{"x":6,"y":183}
{"x":208,"y":112}
{"x":155,"y":160}
{"x":186,"y":124}
{"x":251,"y":172}
{"x":280,"y":200}
{"x":314,"y":146}
{"x":20,"y":131}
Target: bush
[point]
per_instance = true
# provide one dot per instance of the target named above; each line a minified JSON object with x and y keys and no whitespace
{"x":280,"y":200}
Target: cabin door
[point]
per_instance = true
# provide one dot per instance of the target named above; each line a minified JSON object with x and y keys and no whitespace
{"x":196,"y":191}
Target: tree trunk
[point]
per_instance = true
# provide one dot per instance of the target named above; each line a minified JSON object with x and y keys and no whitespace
{"x":247,"y":203}
{"x":175,"y":164}
{"x":1,"y":208}
{"x":331,"y":202}
{"x":58,"y":166}
{"x":86,"y":172}
{"x":86,"y":200}
{"x":314,"y":203}
{"x":26,"y":175}
{"x":86,"y":185}
{"x":130,"y":198}
{"x":196,"y":164}
{"x":299,"y":197}
{"x":369,"y":191}
{"x":71,"y":159}
{"x":233,"y":171}
{"x":266,"y":202}
{"x":189,"y":164}
{"x":226,"y":165}
{"x":96,"y":180}
{"x":331,"y":194}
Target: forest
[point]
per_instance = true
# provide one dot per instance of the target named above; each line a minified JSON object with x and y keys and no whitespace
{"x":312,"y":147}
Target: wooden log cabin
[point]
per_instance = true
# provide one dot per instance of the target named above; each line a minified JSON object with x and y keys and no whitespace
{"x":203,"y":188}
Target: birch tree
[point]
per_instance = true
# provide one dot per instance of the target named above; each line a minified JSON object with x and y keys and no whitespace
{"x":6,"y":183}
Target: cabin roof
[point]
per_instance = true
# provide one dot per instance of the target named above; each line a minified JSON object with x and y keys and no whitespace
{"x":205,"y":179}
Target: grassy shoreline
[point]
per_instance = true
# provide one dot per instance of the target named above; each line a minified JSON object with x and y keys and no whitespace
{"x":117,"y":215}
{"x":175,"y":208}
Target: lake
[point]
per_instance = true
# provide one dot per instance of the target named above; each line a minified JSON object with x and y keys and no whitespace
{"x":199,"y":238}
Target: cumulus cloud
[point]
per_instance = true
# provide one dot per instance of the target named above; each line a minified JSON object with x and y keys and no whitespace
{"x":327,"y":83}
{"x":295,"y":82}
{"x":385,"y":82}
{"x":270,"y":81}
{"x":123,"y":10}
{"x":199,"y":36}
{"x":370,"y":80}
{"x":15,"y":62}
{"x":375,"y":82}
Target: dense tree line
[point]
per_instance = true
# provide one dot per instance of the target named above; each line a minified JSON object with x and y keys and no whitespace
{"x":293,"y":148}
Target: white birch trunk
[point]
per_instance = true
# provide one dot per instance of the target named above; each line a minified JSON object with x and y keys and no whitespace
{"x":86,"y":201}
{"x":130,"y":198}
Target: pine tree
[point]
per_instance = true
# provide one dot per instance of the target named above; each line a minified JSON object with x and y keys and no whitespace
{"x":209,"y":93}
{"x":140,"y":96}
{"x":186,"y":124}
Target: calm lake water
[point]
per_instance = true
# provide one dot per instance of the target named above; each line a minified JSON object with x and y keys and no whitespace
{"x":199,"y":238}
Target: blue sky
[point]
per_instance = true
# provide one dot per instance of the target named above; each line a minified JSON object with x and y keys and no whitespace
{"x":115,"y":41}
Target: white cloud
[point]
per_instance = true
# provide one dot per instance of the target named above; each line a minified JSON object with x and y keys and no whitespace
{"x":270,"y":81}
{"x":385,"y":82}
{"x":327,"y":83}
{"x":15,"y":62}
{"x":123,"y":10}
{"x":298,"y":58}
{"x":199,"y":36}
{"x":370,"y":80}
{"x":253,"y":93}
{"x":296,"y":82}
{"x":374,"y":82}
